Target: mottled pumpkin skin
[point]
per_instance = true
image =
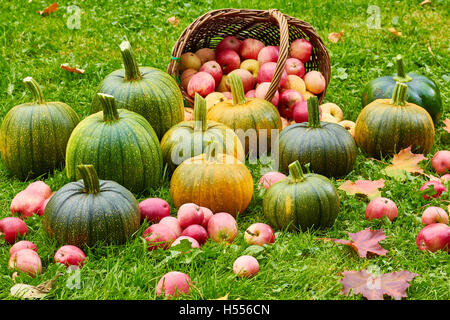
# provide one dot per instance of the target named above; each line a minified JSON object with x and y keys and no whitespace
{"x":257,"y":114}
{"x":385,"y":129}
{"x":33,"y":137}
{"x":311,"y":203}
{"x":75,"y":217}
{"x":183,"y":137}
{"x":330,"y":149}
{"x":222,"y":185}
{"x":156,"y":97}
{"x":126,"y":150}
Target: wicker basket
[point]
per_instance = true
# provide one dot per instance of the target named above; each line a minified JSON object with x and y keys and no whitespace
{"x":270,"y":26}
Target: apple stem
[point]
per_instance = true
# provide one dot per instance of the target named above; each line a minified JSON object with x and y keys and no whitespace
{"x":250,"y":233}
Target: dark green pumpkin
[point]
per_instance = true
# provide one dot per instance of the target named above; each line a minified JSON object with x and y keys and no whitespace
{"x":148,"y":91}
{"x":120,"y":144}
{"x":327,"y":147}
{"x":90,"y":211}
{"x":422,"y":91}
{"x":34,"y":135}
{"x":301,"y":201}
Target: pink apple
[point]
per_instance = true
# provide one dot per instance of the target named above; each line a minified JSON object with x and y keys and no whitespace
{"x":267,"y":71}
{"x":295,"y":67}
{"x":250,"y":94}
{"x":41,"y":209}
{"x":12,"y":228}
{"x":248,"y":81}
{"x":288,"y":99}
{"x":154,"y":209}
{"x":246,"y":266}
{"x":214,"y":69}
{"x":158,"y":236}
{"x":70,"y":255}
{"x":269,"y":178}
{"x":434,"y":237}
{"x":380,"y":207}
{"x":186,"y":77}
{"x":207,"y":214}
{"x":250,"y":48}
{"x":173,"y":283}
{"x":268,"y":54}
{"x":27,"y":261}
{"x":202,"y":82}
{"x":23,"y":244}
{"x":229,"y":60}
{"x":445,"y":178}
{"x":259,"y":234}
{"x":229,"y":43}
{"x":261,"y":91}
{"x":314,"y":82}
{"x":300,"y":112}
{"x":28,"y":201}
{"x":189,"y":213}
{"x":434,"y":215}
{"x":441,"y":162}
{"x":251,"y":66}
{"x":194,"y":243}
{"x":173,"y":224}
{"x":436,"y":185}
{"x":197,"y":232}
{"x":301,"y":49}
{"x":222,"y":227}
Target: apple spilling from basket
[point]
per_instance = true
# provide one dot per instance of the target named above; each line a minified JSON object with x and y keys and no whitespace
{"x":207,"y":70}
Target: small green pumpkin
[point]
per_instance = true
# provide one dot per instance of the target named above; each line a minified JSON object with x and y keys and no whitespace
{"x":120,"y":144}
{"x":90,"y":211}
{"x":301,"y":201}
{"x":148,"y":91}
{"x":34,"y":135}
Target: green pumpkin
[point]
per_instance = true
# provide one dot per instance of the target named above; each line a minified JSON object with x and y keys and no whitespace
{"x":120,"y":144}
{"x":327,"y":147}
{"x":301,"y":201}
{"x":422,"y":91}
{"x":189,"y":138}
{"x":34,"y":135}
{"x":148,"y":91}
{"x":90,"y":211}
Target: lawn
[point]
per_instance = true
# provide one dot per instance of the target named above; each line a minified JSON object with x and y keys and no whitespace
{"x":297,"y":265}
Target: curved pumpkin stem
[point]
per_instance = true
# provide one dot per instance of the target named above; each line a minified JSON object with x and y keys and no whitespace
{"x":108,"y":102}
{"x":35,"y":89}
{"x":90,"y":178}
{"x":313,"y":113}
{"x":200,"y":122}
{"x":399,"y":94}
{"x":237,"y":89}
{"x":132,"y":71}
{"x":401,"y":74}
{"x":296,"y":172}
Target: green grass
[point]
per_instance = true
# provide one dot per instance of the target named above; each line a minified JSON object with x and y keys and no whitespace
{"x":296,"y":266}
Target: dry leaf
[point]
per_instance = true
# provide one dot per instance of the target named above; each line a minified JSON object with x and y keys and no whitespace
{"x":425,"y":2}
{"x":447,"y":125}
{"x":364,"y":187}
{"x":362,"y":282}
{"x":173,"y":21}
{"x":429,"y":50}
{"x":405,"y":160}
{"x":26,"y":291}
{"x":66,"y":67}
{"x":50,"y":9}
{"x":334,"y":37}
{"x":395,"y":32}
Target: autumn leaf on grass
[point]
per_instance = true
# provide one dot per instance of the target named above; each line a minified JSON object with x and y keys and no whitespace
{"x":50,"y":9}
{"x":66,"y":67}
{"x":404,"y":161}
{"x":368,"y":188}
{"x":425,"y":2}
{"x":447,"y":125}
{"x":364,"y":242}
{"x":27,"y":291}
{"x":393,"y":284}
{"x":336,"y":36}
{"x":173,"y":21}
{"x":395,"y":32}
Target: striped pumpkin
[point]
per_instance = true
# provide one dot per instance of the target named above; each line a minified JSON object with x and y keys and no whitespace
{"x":386,"y":126}
{"x":189,"y":138}
{"x":329,"y":149}
{"x":90,"y":211}
{"x":301,"y":201}
{"x":120,"y":144}
{"x":34,"y":135}
{"x":252,"y":119}
{"x":148,"y":91}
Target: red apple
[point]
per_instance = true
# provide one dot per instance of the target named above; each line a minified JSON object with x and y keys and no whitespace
{"x":173,"y":224}
{"x":300,"y":112}
{"x":250,"y":48}
{"x":207,"y":214}
{"x":434,"y":215}
{"x":251,"y":94}
{"x":434,"y":237}
{"x":229,"y":43}
{"x":41,"y":209}
{"x":222,"y":227}
{"x":441,"y":162}
{"x":28,"y":201}
{"x":194,"y":243}
{"x":251,"y":66}
{"x":269,"y":178}
{"x":315,"y":82}
{"x":380,"y":207}
{"x":154,"y":209}
{"x":229,"y":60}
{"x":261,"y":91}
{"x":288,"y":100}
{"x":173,"y":283}
{"x":301,"y":49}
{"x":259,"y":234}
{"x":12,"y":228}
{"x":188,"y":214}
{"x":197,"y":232}
{"x":295,"y":67}
{"x":214,"y":69}
{"x":205,"y":55}
{"x":70,"y":255}
{"x":186,"y":77}
{"x":267,"y":71}
{"x":248,"y":81}
{"x":202,"y":82}
{"x":246,"y":266}
{"x":23,"y":244}
{"x":268,"y":54}
{"x":159,"y":236}
{"x":27,"y":261}
{"x":436,"y":185}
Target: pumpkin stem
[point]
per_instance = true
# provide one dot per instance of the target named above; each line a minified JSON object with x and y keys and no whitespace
{"x":35,"y":89}
{"x":401,"y":75}
{"x":296,"y":172}
{"x":108,"y":102}
{"x":237,"y":89}
{"x":90,"y":178}
{"x":313,"y":113}
{"x":399,"y":94}
{"x":200,"y":122}
{"x":132,"y":71}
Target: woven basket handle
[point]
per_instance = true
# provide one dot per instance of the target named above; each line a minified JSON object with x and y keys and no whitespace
{"x":283,"y":53}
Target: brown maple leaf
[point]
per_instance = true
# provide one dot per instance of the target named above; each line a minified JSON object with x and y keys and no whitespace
{"x":334,"y":37}
{"x":66,"y":67}
{"x":405,"y":160}
{"x":395,"y":32}
{"x":50,"y":9}
{"x":368,"y":188}
{"x":447,"y":125}
{"x":372,"y":287}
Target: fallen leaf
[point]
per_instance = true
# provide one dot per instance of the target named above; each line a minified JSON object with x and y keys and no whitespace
{"x":26,"y":291}
{"x":393,"y":284}
{"x":334,"y":37}
{"x":425,"y":2}
{"x":66,"y":67}
{"x":447,"y":125}
{"x":404,"y":161}
{"x":50,"y":9}
{"x":173,"y":21}
{"x":364,"y":187}
{"x":395,"y":32}
{"x":429,"y":50}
